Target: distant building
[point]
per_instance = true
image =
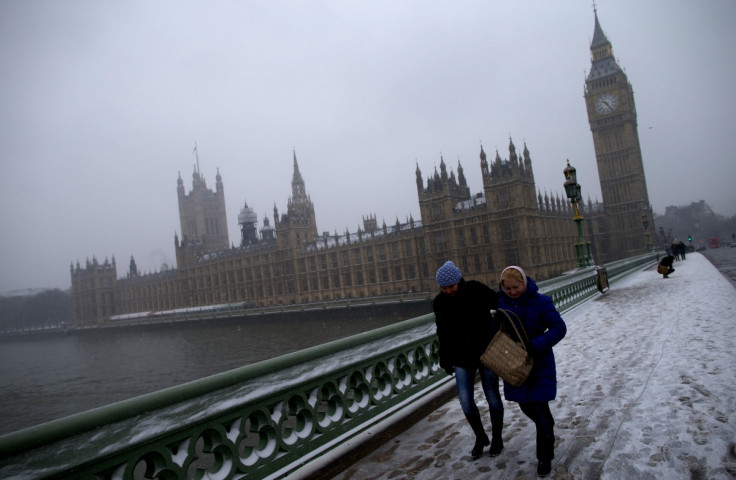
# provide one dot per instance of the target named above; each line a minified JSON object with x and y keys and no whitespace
{"x":508,"y":223}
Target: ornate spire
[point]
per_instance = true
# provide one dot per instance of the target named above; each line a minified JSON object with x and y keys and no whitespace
{"x":599,"y":38}
{"x":513,"y":158}
{"x":461,"y":175}
{"x":299,"y":208}
{"x":443,"y":168}
{"x":527,"y":161}
{"x":218,"y":181}
{"x":420,"y":183}
{"x":298,"y":192}
{"x":483,"y":161}
{"x":601,"y":54}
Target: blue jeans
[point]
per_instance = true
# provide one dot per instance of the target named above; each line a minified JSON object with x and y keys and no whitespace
{"x":465,"y":382}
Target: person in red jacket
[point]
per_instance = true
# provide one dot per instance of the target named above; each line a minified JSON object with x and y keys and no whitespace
{"x":465,"y":327}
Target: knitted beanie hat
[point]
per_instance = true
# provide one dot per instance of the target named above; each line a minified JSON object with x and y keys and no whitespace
{"x":448,"y":274}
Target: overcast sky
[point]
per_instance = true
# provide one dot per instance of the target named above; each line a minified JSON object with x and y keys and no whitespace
{"x":101,"y":104}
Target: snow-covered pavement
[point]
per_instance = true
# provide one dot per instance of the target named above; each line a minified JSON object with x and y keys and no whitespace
{"x":647,"y":390}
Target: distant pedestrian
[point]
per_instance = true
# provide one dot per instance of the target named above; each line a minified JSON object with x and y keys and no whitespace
{"x":682,"y":249}
{"x":678,"y":250}
{"x":665,"y":266}
{"x":545,"y":328}
{"x":465,"y":326}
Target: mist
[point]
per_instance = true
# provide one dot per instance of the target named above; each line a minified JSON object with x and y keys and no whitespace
{"x":102,"y":103}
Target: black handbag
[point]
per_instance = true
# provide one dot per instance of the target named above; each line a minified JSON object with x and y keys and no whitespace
{"x":506,"y":356}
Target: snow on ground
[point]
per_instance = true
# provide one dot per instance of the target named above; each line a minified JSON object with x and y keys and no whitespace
{"x":646,"y":379}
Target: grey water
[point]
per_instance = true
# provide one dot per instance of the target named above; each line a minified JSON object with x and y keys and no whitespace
{"x":45,"y":377}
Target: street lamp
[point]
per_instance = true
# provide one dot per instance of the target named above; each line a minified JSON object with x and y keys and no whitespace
{"x":573,"y":192}
{"x":645,"y":222}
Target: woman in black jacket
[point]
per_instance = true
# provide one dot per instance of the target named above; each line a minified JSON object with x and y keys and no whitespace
{"x":465,"y":326}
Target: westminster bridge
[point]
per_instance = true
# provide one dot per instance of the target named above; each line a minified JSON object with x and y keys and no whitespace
{"x":286,"y":417}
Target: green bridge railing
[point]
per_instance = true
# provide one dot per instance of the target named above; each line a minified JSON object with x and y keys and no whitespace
{"x":273,"y":419}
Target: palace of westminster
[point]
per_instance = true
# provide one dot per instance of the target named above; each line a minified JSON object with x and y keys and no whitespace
{"x":290,"y":262}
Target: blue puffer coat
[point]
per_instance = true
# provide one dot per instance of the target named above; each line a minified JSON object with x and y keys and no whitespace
{"x":545,"y":328}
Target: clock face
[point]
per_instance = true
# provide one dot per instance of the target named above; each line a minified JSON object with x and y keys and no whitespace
{"x":606,"y":103}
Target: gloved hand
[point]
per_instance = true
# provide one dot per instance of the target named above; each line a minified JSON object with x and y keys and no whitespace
{"x":449,"y":369}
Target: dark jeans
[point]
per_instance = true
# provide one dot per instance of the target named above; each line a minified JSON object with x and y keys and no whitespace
{"x":540,"y":414}
{"x":465,"y":382}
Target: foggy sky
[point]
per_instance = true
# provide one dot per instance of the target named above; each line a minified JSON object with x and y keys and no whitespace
{"x":101,"y":104}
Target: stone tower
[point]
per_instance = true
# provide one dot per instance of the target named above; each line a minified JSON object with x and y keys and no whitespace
{"x":299,"y":224}
{"x":510,"y":192}
{"x":442,"y":194}
{"x":609,"y":98}
{"x":247,"y":219}
{"x":202,"y":213}
{"x":94,"y":292}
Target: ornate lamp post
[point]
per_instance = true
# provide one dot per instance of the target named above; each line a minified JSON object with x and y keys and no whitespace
{"x":573,"y":192}
{"x":645,"y":222}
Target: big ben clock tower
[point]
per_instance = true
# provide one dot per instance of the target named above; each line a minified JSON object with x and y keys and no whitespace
{"x":612,"y":116}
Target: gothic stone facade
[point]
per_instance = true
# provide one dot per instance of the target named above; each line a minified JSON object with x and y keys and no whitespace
{"x":507,"y":223}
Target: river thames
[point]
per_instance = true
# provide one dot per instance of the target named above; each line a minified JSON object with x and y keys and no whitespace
{"x":49,"y":376}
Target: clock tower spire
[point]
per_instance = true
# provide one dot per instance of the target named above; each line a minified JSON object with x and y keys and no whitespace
{"x":609,"y":98}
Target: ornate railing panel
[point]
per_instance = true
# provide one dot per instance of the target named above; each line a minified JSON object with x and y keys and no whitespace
{"x":266,"y":420}
{"x":247,"y":423}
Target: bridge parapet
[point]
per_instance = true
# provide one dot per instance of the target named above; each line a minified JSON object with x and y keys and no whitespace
{"x":266,"y":420}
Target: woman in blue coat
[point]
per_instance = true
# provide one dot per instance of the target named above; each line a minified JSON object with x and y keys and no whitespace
{"x":545,"y":328}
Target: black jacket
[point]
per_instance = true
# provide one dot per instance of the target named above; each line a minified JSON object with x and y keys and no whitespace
{"x":667,"y":261}
{"x":464,"y":322}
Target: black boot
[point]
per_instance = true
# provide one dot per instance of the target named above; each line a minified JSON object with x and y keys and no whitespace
{"x":545,"y":454}
{"x":496,"y":433}
{"x":481,"y":439}
{"x":544,"y":468}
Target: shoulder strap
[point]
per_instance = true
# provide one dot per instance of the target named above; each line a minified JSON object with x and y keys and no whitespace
{"x":508,"y":314}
